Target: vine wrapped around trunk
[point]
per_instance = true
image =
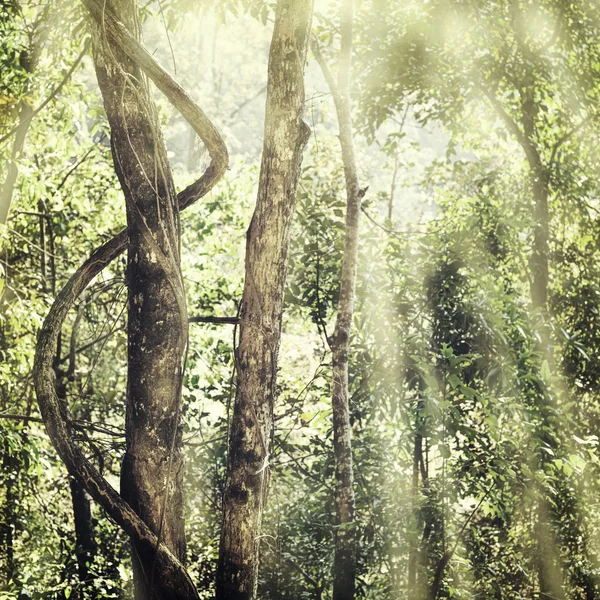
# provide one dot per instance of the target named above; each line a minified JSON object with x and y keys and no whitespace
{"x":168,"y":573}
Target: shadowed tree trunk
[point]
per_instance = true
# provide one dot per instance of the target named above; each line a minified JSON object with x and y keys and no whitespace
{"x":267,"y":244}
{"x":10,"y":469}
{"x":85,"y":543}
{"x":152,"y":521}
{"x":415,"y":590}
{"x":152,"y":470}
{"x":344,"y":570}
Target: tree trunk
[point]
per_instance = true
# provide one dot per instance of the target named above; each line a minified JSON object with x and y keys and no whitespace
{"x":267,"y":244}
{"x":539,"y":256}
{"x":345,"y":543}
{"x":85,"y":543}
{"x":152,"y":470}
{"x":549,"y":570}
{"x":10,"y":468}
{"x":413,"y":555}
{"x":172,"y":579}
{"x":29,"y":61}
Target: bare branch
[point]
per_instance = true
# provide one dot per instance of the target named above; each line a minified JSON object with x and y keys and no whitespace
{"x":215,"y":320}
{"x":305,"y":574}
{"x":79,"y":423}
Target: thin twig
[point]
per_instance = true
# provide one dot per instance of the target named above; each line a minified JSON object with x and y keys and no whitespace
{"x":79,"y":423}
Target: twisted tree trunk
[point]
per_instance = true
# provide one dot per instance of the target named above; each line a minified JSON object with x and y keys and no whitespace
{"x":267,"y":244}
{"x":157,"y":315}
{"x":152,"y":470}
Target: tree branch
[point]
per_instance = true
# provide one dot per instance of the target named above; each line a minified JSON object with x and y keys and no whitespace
{"x":566,"y":137}
{"x":51,"y":96}
{"x":215,"y":320}
{"x":79,"y":423}
{"x":305,"y":574}
{"x":329,"y":78}
{"x":176,"y":95}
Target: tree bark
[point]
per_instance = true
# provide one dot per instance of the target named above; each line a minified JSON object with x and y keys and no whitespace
{"x":85,"y":542}
{"x":267,"y":245}
{"x":152,"y":470}
{"x":345,"y":543}
{"x":153,"y":233}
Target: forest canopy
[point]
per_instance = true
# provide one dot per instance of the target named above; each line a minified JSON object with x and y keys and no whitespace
{"x":299,"y":300}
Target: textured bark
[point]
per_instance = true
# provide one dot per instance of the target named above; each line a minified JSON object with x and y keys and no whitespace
{"x":152,"y":470}
{"x":85,"y":542}
{"x":345,"y":543}
{"x":267,"y":244}
{"x":171,"y":580}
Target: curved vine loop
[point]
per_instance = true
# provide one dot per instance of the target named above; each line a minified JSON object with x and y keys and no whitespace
{"x":175,"y":581}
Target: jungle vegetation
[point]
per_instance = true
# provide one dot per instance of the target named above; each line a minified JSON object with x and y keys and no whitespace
{"x":299,"y":299}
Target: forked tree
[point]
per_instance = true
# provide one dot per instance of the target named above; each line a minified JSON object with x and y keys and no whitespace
{"x":150,"y":505}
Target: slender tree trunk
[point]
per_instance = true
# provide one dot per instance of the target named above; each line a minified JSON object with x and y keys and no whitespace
{"x":29,"y":60}
{"x":548,"y":560}
{"x":549,"y":572}
{"x":539,"y":256}
{"x":10,"y":468}
{"x":413,"y":555}
{"x":539,"y":259}
{"x":85,"y":542}
{"x":267,"y":245}
{"x":151,"y":474}
{"x":345,"y":544}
